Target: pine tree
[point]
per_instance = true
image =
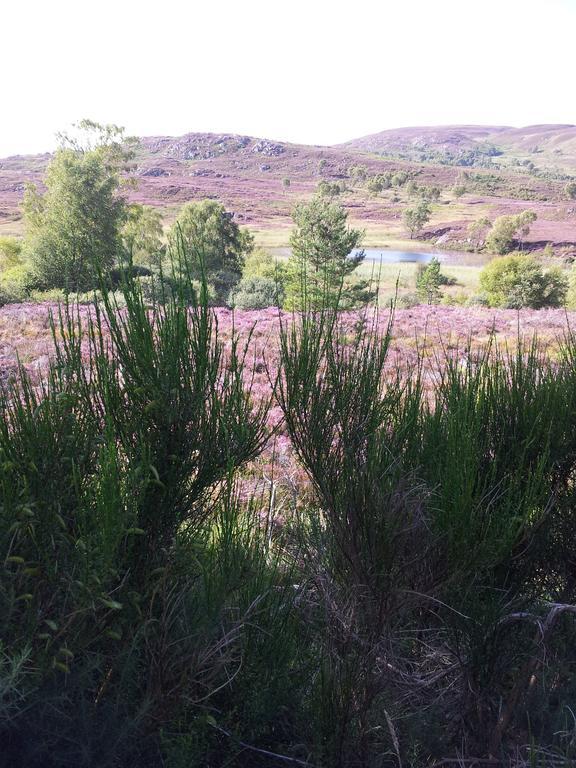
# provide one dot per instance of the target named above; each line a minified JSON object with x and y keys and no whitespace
{"x":322,"y":262}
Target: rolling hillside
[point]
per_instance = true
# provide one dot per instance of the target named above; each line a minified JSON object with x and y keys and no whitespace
{"x":507,"y":170}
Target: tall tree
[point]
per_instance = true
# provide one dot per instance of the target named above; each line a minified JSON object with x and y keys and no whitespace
{"x":322,"y":263}
{"x":73,"y":229}
{"x":213,"y":245}
{"x":507,"y":230}
{"x":142,"y":235}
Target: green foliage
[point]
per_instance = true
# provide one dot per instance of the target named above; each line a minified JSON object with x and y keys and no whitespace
{"x":437,"y":512}
{"x":478,"y":231}
{"x":570,"y":190}
{"x":286,"y":183}
{"x":73,"y":229}
{"x":406,"y":300}
{"x":114,"y":538}
{"x":571,"y":294}
{"x":55,"y":295}
{"x":417,"y":217}
{"x":10,"y":252}
{"x":428,"y":282}
{"x":400,"y":178}
{"x":479,"y":156}
{"x":16,"y":283}
{"x":415,"y":607}
{"x":429,"y":192}
{"x":213,"y":244}
{"x":379,"y":183}
{"x":256,"y":293}
{"x":260,"y":263}
{"x":358,"y":173}
{"x":329,"y":188}
{"x":321,"y":263}
{"x":518,"y":281}
{"x":151,"y":614}
{"x":506,"y":229}
{"x":142,"y":235}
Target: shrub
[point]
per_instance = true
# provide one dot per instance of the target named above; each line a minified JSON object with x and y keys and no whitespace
{"x":113,"y":538}
{"x":459,"y":299}
{"x":17,"y":282}
{"x":256,"y":293}
{"x":477,"y":300}
{"x":519,"y":281}
{"x":408,"y":300}
{"x":10,"y":252}
{"x":437,"y":515}
{"x":260,"y":263}
{"x":415,"y":608}
{"x":7,"y":297}
{"x":53,"y":295}
{"x":571,"y":294}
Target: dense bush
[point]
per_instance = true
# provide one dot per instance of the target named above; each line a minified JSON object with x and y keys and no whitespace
{"x":10,"y":252}
{"x":256,"y":293}
{"x":261,"y":263}
{"x":16,"y":283}
{"x":110,"y":521}
{"x":438,"y":511}
{"x":520,"y":281}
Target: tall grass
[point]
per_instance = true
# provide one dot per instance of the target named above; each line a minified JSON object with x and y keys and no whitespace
{"x":115,"y":504}
{"x":439,"y":509}
{"x":416,"y":607}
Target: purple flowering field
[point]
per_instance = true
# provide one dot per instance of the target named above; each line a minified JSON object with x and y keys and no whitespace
{"x":25,"y":335}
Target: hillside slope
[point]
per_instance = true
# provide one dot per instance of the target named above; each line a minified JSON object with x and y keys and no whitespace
{"x":260,"y":180}
{"x":552,"y":145}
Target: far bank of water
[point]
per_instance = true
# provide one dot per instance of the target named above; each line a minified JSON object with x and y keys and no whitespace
{"x":387,"y":256}
{"x":449,"y":258}
{"x":393,"y":256}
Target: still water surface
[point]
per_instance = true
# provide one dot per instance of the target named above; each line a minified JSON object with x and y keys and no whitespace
{"x":387,"y":256}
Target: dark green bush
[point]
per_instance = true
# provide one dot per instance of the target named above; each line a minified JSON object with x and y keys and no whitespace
{"x":439,"y":514}
{"x":256,"y":293}
{"x":517,"y":281}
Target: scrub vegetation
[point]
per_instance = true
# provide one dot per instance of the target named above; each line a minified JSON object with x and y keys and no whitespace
{"x":311,"y":545}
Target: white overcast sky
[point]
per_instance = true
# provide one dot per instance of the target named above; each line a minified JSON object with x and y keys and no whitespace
{"x":311,"y":71}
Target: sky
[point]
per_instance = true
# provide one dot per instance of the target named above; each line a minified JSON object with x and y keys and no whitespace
{"x":307,"y":71}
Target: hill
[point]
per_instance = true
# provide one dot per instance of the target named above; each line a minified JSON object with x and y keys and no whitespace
{"x":507,"y":170}
{"x":554,"y":146}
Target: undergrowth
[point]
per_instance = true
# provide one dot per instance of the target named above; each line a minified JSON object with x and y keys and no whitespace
{"x":416,"y":607}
